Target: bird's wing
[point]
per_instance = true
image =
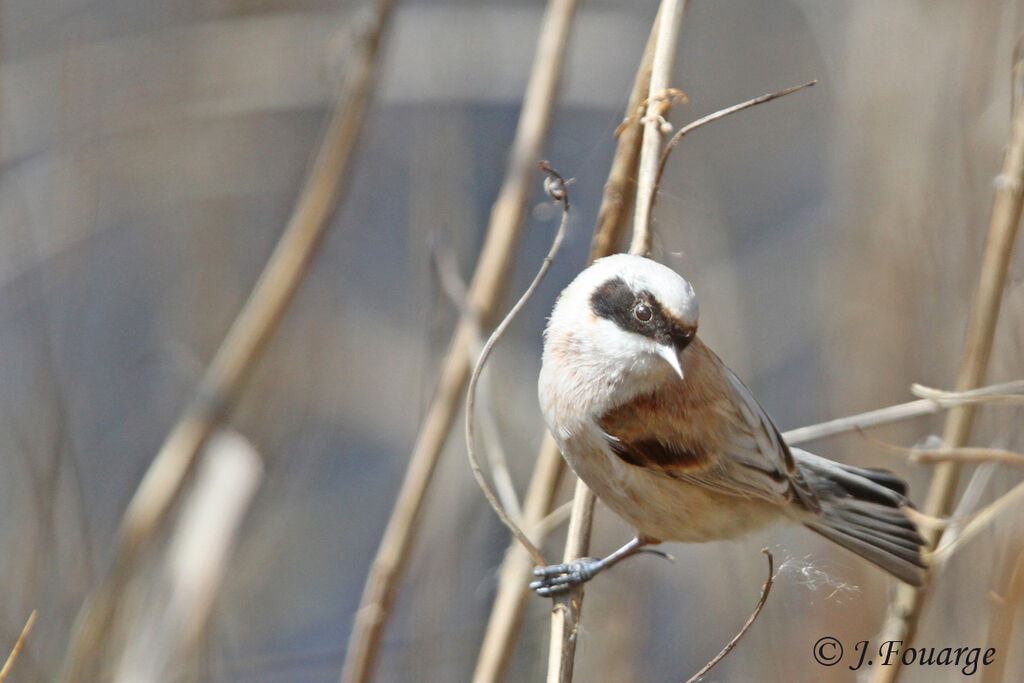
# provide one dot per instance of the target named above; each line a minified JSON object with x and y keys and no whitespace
{"x":748,"y":458}
{"x":757,"y":455}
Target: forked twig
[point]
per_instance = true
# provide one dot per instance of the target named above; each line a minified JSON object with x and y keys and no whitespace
{"x":557,"y":192}
{"x":721,"y":113}
{"x":746,"y":627}
{"x":976,"y":523}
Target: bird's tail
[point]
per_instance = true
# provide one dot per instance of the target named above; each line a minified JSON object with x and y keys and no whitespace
{"x":862,"y":510}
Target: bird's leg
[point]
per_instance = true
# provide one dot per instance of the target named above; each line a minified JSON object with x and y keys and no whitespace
{"x":558,"y":578}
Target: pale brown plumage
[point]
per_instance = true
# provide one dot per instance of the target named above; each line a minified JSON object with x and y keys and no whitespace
{"x":671,"y":440}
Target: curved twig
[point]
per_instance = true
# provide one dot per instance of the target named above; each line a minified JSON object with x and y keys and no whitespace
{"x":557,"y":191}
{"x":746,"y":627}
{"x":488,"y":282}
{"x":512,"y":594}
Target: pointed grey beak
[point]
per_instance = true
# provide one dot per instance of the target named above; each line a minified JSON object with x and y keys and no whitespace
{"x":671,"y":357}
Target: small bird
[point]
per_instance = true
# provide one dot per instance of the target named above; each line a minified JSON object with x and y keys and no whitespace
{"x":675,"y":444}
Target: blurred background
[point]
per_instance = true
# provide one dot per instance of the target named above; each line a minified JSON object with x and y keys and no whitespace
{"x":152,"y":151}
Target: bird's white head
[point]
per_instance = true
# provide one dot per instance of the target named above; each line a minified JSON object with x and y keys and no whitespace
{"x":624,"y":320}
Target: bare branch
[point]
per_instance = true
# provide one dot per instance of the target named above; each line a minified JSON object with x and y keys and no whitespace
{"x":554,"y":519}
{"x":746,"y":627}
{"x":1003,"y":620}
{"x":509,"y":602}
{"x":930,"y":456}
{"x":720,"y":114}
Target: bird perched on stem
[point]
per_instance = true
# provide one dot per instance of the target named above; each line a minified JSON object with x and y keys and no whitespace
{"x":674,"y":443}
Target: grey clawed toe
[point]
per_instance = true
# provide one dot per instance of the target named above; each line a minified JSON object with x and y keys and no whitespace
{"x":559,"y":578}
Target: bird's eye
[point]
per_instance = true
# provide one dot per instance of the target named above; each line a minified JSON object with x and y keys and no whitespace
{"x":642,"y":312}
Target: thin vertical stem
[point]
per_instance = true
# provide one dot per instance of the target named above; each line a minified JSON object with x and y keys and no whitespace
{"x":510,"y":600}
{"x":565,"y":615}
{"x":568,"y":606}
{"x":905,"y":609}
{"x":670,"y":18}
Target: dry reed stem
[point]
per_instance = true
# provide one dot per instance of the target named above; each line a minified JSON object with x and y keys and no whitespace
{"x":488,"y":281}
{"x":905,"y":609}
{"x":565,"y":614}
{"x":765,"y":589}
{"x":512,"y":593}
{"x":670,"y":21}
{"x":18,"y":644}
{"x":953,"y":397}
{"x":509,"y":601}
{"x":901,"y":411}
{"x":568,"y":606}
{"x":620,"y":187}
{"x":181,"y":598}
{"x":247,"y":337}
{"x":962,"y":533}
{"x":930,"y":456}
{"x":1004,"y":617}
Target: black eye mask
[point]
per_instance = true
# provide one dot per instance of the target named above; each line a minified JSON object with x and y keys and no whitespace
{"x":615,"y":301}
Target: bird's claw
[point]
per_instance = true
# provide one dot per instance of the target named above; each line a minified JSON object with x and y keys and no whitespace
{"x":558,"y":578}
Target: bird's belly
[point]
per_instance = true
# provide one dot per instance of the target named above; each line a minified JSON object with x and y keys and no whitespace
{"x":661,"y":507}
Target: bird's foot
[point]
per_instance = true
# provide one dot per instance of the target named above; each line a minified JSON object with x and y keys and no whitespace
{"x":558,"y":578}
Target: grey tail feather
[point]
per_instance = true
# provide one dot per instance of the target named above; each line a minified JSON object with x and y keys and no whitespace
{"x":862,"y":510}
